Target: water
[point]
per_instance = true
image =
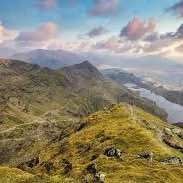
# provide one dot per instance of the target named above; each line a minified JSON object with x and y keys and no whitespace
{"x":175,"y":111}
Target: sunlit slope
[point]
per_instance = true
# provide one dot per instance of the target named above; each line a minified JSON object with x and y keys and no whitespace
{"x":129,"y":129}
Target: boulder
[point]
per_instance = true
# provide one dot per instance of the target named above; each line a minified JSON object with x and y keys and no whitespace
{"x":112,"y":152}
{"x":91,"y":168}
{"x":174,"y":160}
{"x":145,"y":155}
{"x":176,"y":131}
{"x":171,"y":141}
{"x":99,"y":178}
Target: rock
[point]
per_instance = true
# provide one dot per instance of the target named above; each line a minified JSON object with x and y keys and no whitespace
{"x":172,"y":142}
{"x":67,"y":166}
{"x":174,"y":160}
{"x":176,"y":130}
{"x":167,"y":131}
{"x":99,"y":177}
{"x":145,"y":155}
{"x":92,"y":168}
{"x":112,"y":152}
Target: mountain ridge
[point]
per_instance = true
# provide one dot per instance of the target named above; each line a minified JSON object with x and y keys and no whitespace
{"x":49,"y":58}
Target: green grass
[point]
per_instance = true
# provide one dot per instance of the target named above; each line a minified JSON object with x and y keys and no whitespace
{"x":126,"y":134}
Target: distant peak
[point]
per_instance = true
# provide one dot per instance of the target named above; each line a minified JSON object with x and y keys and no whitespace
{"x":85,"y":64}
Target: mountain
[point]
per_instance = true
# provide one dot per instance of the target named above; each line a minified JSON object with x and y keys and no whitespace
{"x":29,"y":92}
{"x":6,"y":52}
{"x":166,"y":71}
{"x":49,"y":126}
{"x":49,"y":58}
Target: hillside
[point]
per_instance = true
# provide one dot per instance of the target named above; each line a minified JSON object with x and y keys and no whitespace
{"x":30,"y":93}
{"x":124,"y":127}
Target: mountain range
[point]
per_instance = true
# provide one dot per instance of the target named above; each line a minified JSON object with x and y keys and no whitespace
{"x":56,"y":122}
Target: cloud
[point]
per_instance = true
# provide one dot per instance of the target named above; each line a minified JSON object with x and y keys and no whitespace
{"x":179,"y":32}
{"x":45,"y":32}
{"x":6,"y":35}
{"x":179,"y":48}
{"x":103,"y":7}
{"x":137,"y":28}
{"x":110,"y":44}
{"x":97,"y":31}
{"x":46,"y":4}
{"x":177,"y":8}
{"x":116,"y":45}
{"x":151,"y":37}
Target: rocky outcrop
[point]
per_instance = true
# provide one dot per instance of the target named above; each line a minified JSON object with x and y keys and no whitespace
{"x":174,"y":160}
{"x":145,"y":155}
{"x":169,"y":138}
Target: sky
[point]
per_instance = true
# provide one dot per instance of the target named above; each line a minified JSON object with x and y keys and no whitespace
{"x":126,"y":27}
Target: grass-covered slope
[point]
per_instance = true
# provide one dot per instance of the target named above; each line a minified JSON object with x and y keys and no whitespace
{"x":127,"y":128}
{"x":42,"y":120}
{"x":122,"y":126}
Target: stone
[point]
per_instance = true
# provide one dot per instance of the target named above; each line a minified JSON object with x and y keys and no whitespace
{"x":92,"y":168}
{"x":174,"y":160}
{"x":176,"y":130}
{"x":99,"y":177}
{"x":112,"y":152}
{"x":145,"y":155}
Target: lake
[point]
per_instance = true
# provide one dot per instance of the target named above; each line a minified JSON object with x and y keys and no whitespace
{"x":175,"y":111}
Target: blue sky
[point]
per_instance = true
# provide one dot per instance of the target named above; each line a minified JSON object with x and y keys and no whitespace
{"x":77,"y":18}
{"x":24,"y":14}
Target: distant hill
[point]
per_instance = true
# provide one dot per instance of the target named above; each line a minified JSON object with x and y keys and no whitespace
{"x":49,"y":58}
